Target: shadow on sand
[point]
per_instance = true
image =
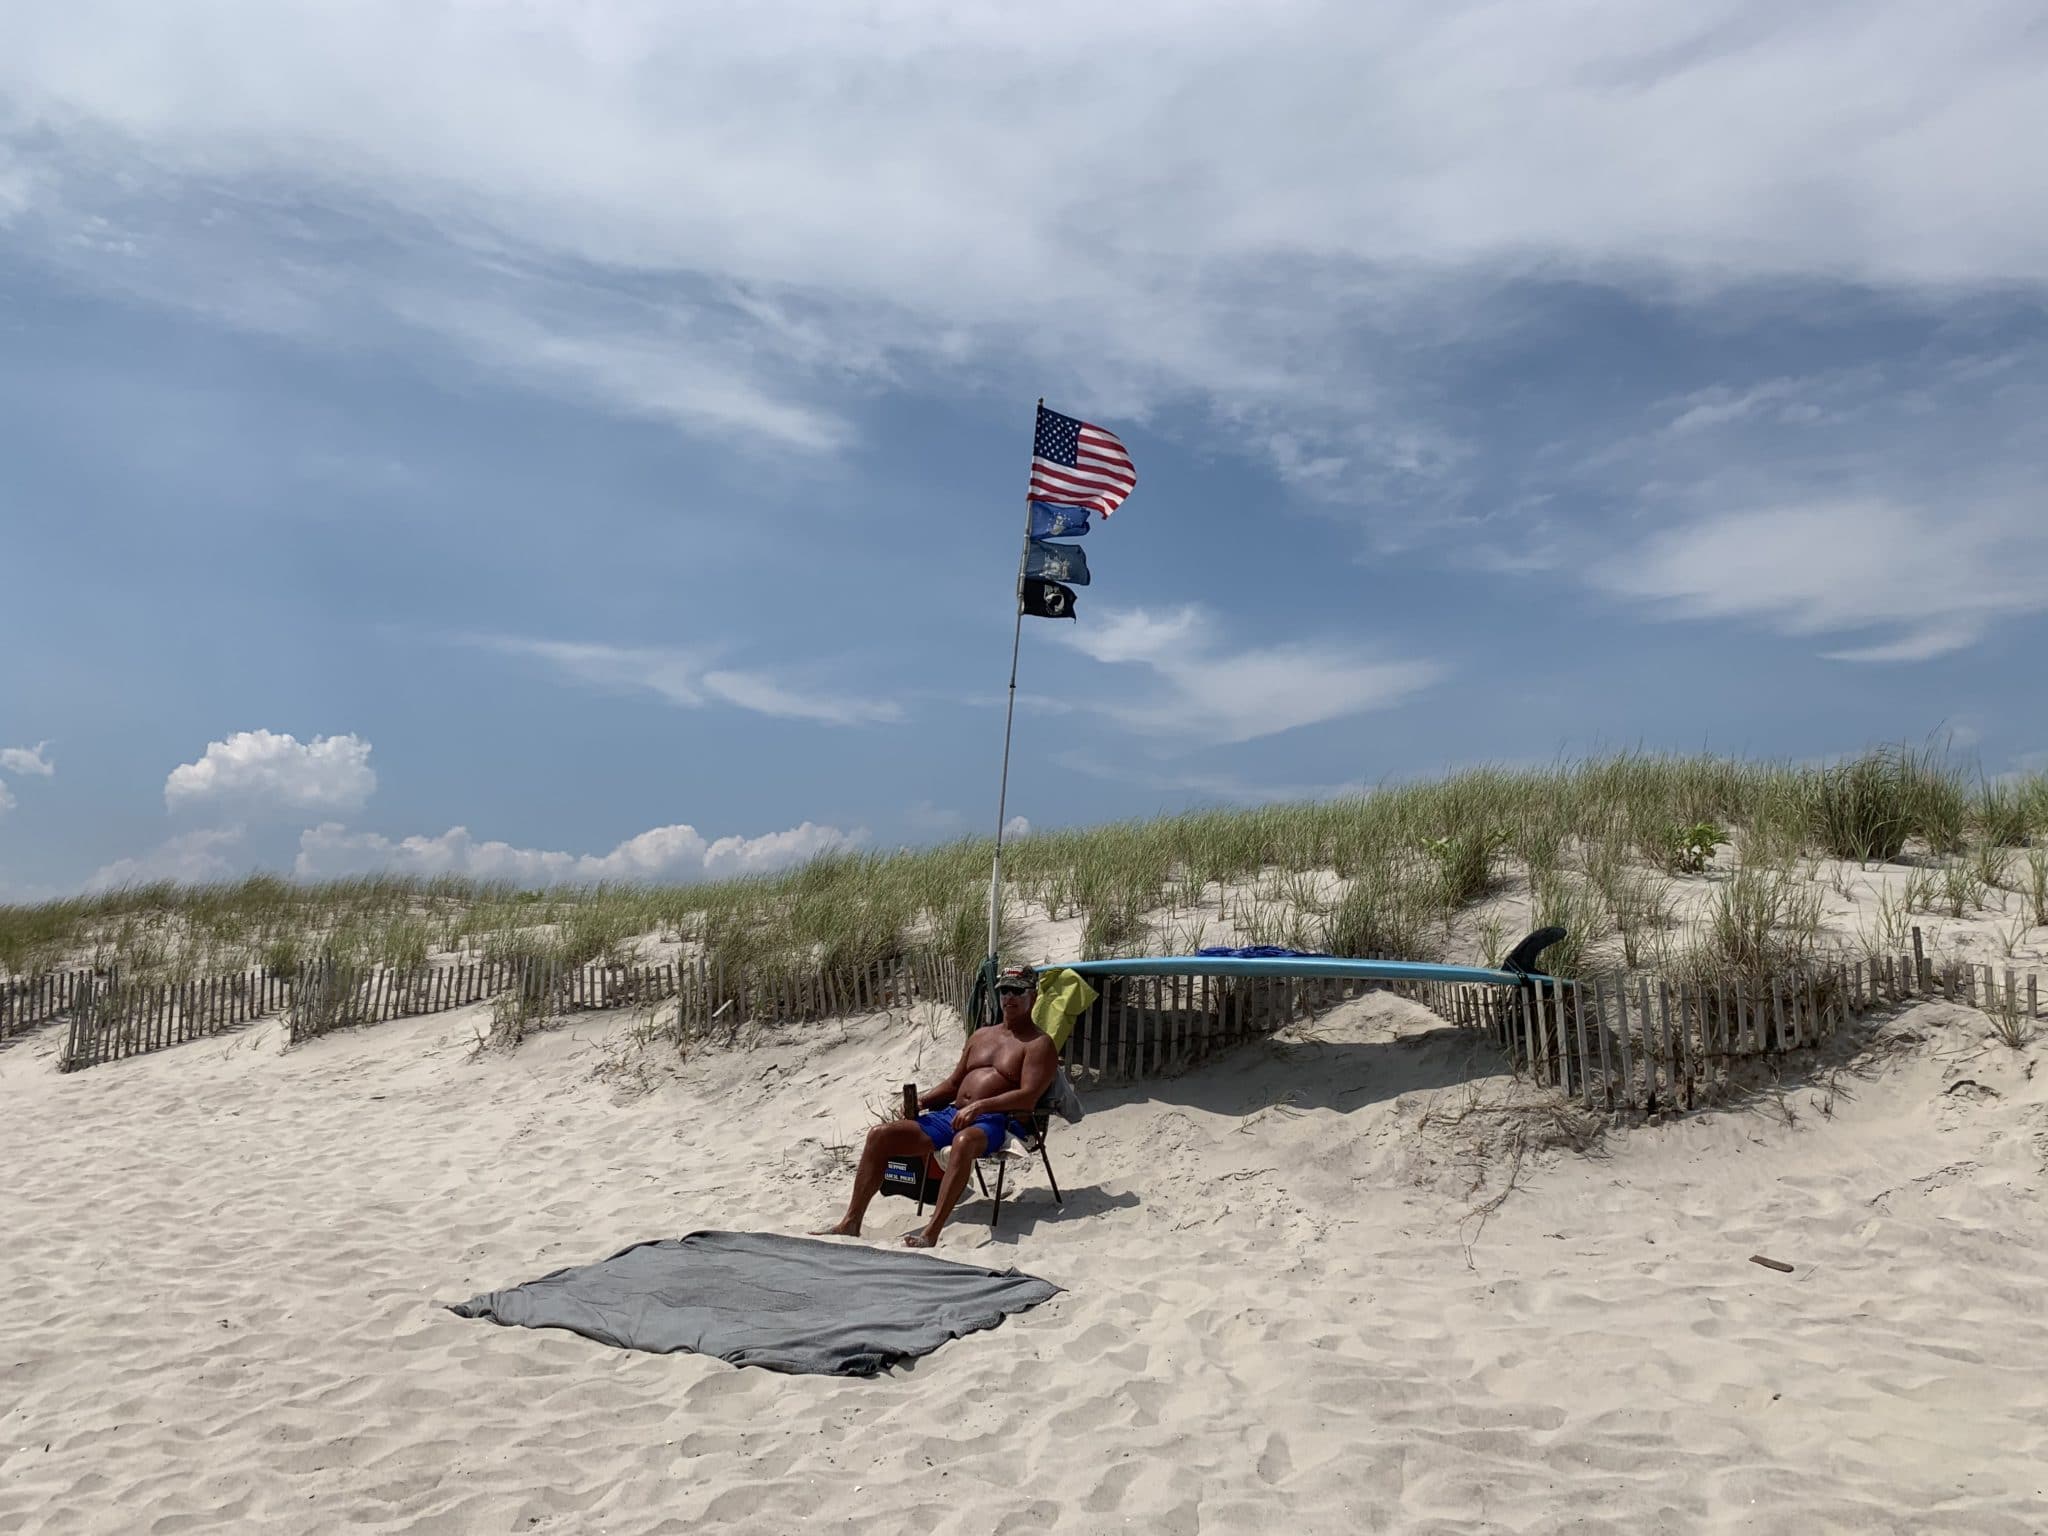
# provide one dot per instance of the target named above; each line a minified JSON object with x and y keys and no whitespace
{"x":1028,"y":1208}
{"x":1310,"y":1068}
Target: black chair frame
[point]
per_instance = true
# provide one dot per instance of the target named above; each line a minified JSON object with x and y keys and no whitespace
{"x":1040,"y":1124}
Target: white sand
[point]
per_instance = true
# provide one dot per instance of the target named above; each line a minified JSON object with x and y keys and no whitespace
{"x":221,"y":1263}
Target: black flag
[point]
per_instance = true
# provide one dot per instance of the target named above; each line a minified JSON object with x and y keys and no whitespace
{"x":1048,"y":600}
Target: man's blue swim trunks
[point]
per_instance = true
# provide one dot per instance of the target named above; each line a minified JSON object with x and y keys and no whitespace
{"x":938,"y":1124}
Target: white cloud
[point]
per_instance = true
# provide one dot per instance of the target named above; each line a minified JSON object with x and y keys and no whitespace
{"x":676,"y":852}
{"x":21,"y":760}
{"x":684,"y":678}
{"x":190,"y":858}
{"x":1779,"y":400}
{"x":1916,"y":643}
{"x":1017,"y":826}
{"x":815,"y":194}
{"x":1216,"y":695}
{"x":27,"y":760}
{"x":640,"y":372}
{"x":1135,"y":634}
{"x":743,"y":219}
{"x":254,"y":770}
{"x":1888,"y":509}
{"x":765,"y":696}
{"x":1925,"y":579}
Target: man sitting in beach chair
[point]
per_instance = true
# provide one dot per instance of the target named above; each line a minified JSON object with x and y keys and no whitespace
{"x":1002,"y":1075}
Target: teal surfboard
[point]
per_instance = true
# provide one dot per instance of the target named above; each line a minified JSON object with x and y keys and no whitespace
{"x":1293,"y":965}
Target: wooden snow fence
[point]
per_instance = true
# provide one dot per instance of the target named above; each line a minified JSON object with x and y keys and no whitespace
{"x":110,"y":1020}
{"x":1618,"y":1043}
{"x":32,"y":1001}
{"x":1643,"y":1043}
{"x":1621,"y":1043}
{"x":130,"y":1019}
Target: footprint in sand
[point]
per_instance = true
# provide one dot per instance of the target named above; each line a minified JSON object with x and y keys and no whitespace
{"x":1039,"y":1515}
{"x":1110,"y":1489}
{"x":1083,"y":1418}
{"x":1276,"y":1465}
{"x":1093,"y":1342}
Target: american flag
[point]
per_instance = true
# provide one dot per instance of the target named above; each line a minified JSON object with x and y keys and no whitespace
{"x":1077,"y":465}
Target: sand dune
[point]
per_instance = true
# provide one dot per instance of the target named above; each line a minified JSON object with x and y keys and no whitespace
{"x":1282,"y":1309}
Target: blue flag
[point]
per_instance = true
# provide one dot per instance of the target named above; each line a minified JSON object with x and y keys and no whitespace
{"x":1057,"y":562}
{"x":1050,"y":520}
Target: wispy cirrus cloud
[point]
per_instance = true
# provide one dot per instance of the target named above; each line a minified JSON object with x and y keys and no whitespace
{"x":689,"y":679}
{"x":675,"y":219}
{"x":653,"y":361}
{"x":1205,"y":691}
{"x":1843,"y":568}
{"x":1880,"y":511}
{"x":801,"y":198}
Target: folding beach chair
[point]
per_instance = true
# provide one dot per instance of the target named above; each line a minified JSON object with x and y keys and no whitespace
{"x":1027,"y":1136}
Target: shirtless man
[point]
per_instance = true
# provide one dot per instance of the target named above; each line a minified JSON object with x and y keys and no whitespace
{"x":1004,"y":1071}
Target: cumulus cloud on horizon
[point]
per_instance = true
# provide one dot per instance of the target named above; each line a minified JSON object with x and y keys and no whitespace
{"x":273,"y":771}
{"x":191,"y":858}
{"x":677,"y":852}
{"x":331,"y":851}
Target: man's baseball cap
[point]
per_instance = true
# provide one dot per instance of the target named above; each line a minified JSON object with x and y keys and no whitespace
{"x":1018,"y":978}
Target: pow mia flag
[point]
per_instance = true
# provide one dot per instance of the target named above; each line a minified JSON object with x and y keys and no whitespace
{"x":1048,"y":600}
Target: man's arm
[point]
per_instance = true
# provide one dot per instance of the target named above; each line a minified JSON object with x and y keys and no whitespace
{"x":1041,"y":1060}
{"x":941,"y":1094}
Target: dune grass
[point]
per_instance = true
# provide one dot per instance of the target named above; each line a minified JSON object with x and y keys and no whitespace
{"x":1387,"y":873}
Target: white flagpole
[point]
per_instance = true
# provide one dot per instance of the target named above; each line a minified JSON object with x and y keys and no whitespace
{"x":995,"y":878}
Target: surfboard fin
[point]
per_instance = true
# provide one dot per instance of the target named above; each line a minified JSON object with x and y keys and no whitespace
{"x":1522,"y":958}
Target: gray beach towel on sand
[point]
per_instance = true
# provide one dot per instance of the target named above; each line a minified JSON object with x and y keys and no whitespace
{"x":753,"y":1298}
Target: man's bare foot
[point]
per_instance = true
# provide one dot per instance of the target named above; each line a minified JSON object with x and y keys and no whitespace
{"x":842,"y":1228}
{"x":920,"y":1240}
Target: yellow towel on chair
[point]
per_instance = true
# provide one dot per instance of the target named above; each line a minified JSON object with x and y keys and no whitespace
{"x":1063,"y":996}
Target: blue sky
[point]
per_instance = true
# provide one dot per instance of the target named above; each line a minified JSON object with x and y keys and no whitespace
{"x":566,"y":442}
